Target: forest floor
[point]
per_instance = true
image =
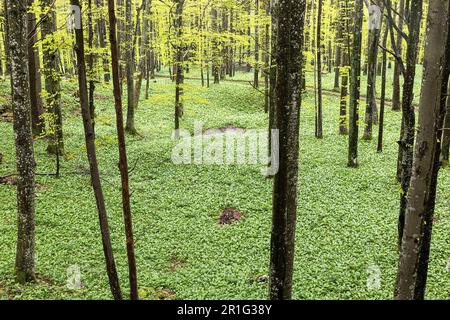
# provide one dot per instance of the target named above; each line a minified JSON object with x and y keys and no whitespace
{"x":347,"y":218}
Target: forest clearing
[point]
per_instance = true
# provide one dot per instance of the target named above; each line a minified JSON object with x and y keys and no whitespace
{"x":86,"y":181}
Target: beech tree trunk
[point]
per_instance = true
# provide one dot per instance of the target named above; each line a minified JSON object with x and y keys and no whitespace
{"x":421,"y":190}
{"x":288,"y":52}
{"x":25,"y":253}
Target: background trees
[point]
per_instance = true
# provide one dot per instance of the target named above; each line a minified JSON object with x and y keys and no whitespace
{"x":176,"y":46}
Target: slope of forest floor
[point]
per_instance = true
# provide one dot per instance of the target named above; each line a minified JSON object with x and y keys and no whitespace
{"x":346,"y":218}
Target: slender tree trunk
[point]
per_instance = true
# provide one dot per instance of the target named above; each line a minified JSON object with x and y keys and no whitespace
{"x":90,"y":65}
{"x":143,"y":46}
{"x":355,"y":84}
{"x":123,"y":162}
{"x":25,"y":253}
{"x":383,"y":91}
{"x":421,"y":191}
{"x":93,"y":164}
{"x":291,"y":14}
{"x":446,"y":136}
{"x":337,"y":60}
{"x":215,"y":58}
{"x":101,"y":28}
{"x":256,"y":34}
{"x":52,"y":75}
{"x":371,"y":104}
{"x":179,"y":76}
{"x":273,"y":70}
{"x":396,"y":103}
{"x":319,"y":115}
{"x":35,"y":76}
{"x":267,"y":61}
{"x":406,"y":143}
{"x":129,"y":66}
{"x":6,"y":38}
{"x":344,"y":69}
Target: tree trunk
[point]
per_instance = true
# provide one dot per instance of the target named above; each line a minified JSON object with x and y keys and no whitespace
{"x":421,"y":191}
{"x":215,"y":58}
{"x":123,"y":162}
{"x":337,"y":59}
{"x":424,"y":255}
{"x":355,"y":84}
{"x":291,"y":14}
{"x":256,"y":35}
{"x":143,"y":47}
{"x":273,"y":71}
{"x":6,"y":38}
{"x":406,"y":143}
{"x":93,"y":164}
{"x":179,"y":76}
{"x":396,"y":104}
{"x":319,"y":114}
{"x":35,"y":76}
{"x":371,"y":104}
{"x":129,"y":66}
{"x":90,"y":65}
{"x":52,"y":76}
{"x":25,"y":254}
{"x":267,"y":61}
{"x":383,"y":91}
{"x":446,"y":136}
